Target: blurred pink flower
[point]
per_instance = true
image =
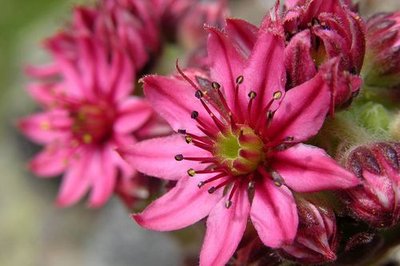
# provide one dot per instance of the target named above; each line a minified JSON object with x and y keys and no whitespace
{"x":88,"y":113}
{"x":238,"y":153}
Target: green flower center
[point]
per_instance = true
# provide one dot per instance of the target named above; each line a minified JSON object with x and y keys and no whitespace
{"x":241,"y":151}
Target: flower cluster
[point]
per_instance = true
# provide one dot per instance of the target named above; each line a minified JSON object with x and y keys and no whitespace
{"x":261,"y":133}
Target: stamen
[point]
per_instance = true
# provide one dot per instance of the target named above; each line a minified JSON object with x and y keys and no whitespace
{"x":215,"y":85}
{"x":277,"y":178}
{"x":217,"y":122}
{"x":202,"y":183}
{"x":202,"y":139}
{"x":182,"y":131}
{"x":223,"y":184}
{"x":199,"y":94}
{"x":185,"y":76}
{"x":252,"y":95}
{"x":179,"y":157}
{"x":277,"y":95}
{"x":211,"y":190}
{"x":199,"y":159}
{"x":194,"y":115}
{"x":188,"y":139}
{"x":239,"y":80}
{"x":222,"y":99}
{"x":228,"y":203}
{"x":204,"y":146}
{"x":208,"y":171}
{"x":191,"y":172}
{"x":251,"y":185}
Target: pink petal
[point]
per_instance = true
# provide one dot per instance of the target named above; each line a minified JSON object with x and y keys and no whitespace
{"x":122,"y":77}
{"x":156,"y":157}
{"x":50,"y":162}
{"x":88,"y":66}
{"x":120,"y":141}
{"x":132,"y":115}
{"x":182,"y":206}
{"x":226,"y":63}
{"x":42,"y":93}
{"x":308,"y":169}
{"x":299,"y":63}
{"x":174,"y":100}
{"x":265,"y":73}
{"x":154,"y":127}
{"x":244,"y":34}
{"x":67,"y":67}
{"x":77,"y":179}
{"x":103,"y":174}
{"x":302,"y":111}
{"x":46,"y":127}
{"x":292,"y":3}
{"x":225,"y":228}
{"x":274,"y":214}
{"x":43,"y":71}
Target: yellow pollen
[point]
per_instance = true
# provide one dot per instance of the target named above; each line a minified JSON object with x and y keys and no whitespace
{"x":277,"y":95}
{"x":87,"y":138}
{"x":188,"y":139}
{"x":44,"y":125}
{"x":191,"y":172}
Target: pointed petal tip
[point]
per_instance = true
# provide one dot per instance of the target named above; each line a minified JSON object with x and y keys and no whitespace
{"x":62,"y":202}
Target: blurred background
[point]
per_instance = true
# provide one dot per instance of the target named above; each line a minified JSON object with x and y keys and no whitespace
{"x":32,"y":230}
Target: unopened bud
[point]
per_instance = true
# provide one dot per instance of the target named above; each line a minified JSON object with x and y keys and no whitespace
{"x":316,"y":240}
{"x":376,"y":201}
{"x":382,"y":61}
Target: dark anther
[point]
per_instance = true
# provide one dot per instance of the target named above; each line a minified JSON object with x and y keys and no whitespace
{"x":200,"y":184}
{"x":315,"y":21}
{"x":198,"y":94}
{"x":194,"y":114}
{"x":239,"y":80}
{"x":251,"y":185}
{"x":290,"y":138}
{"x":211,"y":190}
{"x":215,"y":85}
{"x":252,"y":94}
{"x":179,"y":157}
{"x":270,"y":115}
{"x":182,"y":131}
{"x":228,"y":204}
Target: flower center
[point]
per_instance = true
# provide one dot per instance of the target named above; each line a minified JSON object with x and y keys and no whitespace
{"x":92,"y":123}
{"x":240,"y":152}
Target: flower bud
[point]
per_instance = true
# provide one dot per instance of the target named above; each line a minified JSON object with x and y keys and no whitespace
{"x":377,"y":200}
{"x":321,"y":32}
{"x":382,"y":61}
{"x":316,"y":240}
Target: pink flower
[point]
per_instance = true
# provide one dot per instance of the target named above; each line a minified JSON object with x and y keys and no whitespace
{"x":88,"y":113}
{"x":238,"y":151}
